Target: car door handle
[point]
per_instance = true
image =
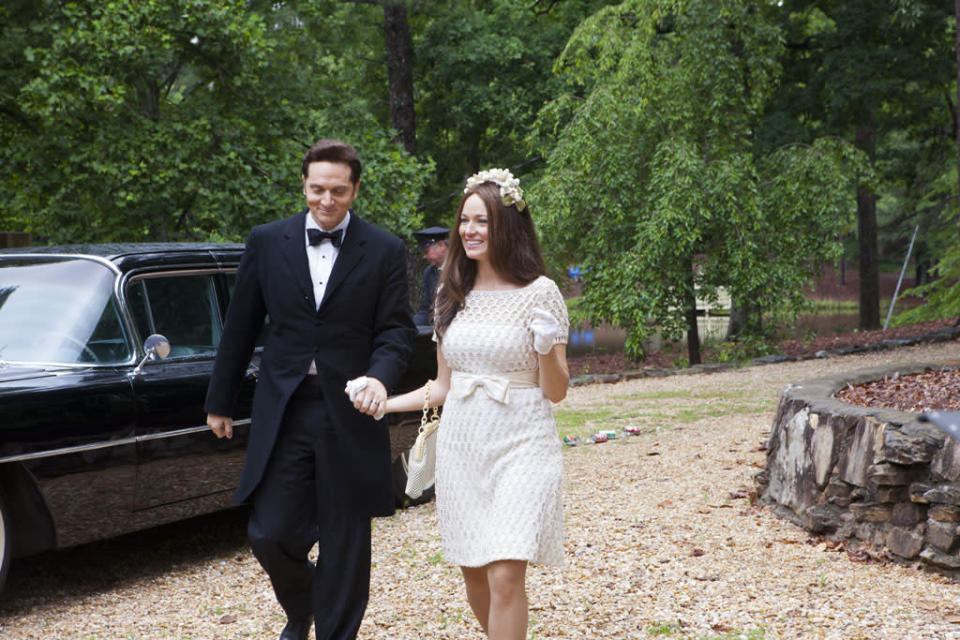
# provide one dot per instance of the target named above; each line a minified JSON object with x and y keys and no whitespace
{"x":253,"y":372}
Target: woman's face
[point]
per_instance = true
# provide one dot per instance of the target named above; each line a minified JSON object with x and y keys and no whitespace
{"x":473,"y":228}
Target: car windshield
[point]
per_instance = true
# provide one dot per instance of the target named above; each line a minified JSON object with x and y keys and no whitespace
{"x":59,"y":311}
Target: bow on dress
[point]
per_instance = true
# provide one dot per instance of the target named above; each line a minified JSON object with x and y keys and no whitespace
{"x":497,"y":387}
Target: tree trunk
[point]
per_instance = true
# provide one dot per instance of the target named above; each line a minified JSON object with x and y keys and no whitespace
{"x":738,"y":320}
{"x":690,"y":314}
{"x":842,"y":262}
{"x":922,"y":262}
{"x":746,"y":319}
{"x":956,"y":120}
{"x":867,"y":232}
{"x":471,"y":157}
{"x":400,"y":75}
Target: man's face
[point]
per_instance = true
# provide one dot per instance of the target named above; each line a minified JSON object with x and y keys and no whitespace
{"x":329,"y":192}
{"x":436,"y":253}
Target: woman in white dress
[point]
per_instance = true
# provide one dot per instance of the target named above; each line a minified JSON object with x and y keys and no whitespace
{"x":502,"y":329}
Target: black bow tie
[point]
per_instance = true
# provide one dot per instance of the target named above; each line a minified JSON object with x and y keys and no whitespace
{"x":316,"y":237}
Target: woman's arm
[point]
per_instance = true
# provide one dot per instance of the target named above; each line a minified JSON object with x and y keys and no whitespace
{"x":554,"y":375}
{"x":413,"y":400}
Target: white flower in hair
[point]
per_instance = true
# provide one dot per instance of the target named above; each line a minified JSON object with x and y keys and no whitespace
{"x":510,"y":191}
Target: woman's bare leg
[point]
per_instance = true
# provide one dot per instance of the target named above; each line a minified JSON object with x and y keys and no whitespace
{"x":478,"y":593}
{"x":508,"y":613}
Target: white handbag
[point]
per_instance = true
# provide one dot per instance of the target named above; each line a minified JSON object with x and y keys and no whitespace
{"x":422,"y":459}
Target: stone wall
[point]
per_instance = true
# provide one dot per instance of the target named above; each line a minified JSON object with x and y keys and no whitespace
{"x":876,"y":475}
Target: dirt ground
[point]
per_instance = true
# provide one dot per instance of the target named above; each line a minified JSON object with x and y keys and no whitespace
{"x":661,"y":541}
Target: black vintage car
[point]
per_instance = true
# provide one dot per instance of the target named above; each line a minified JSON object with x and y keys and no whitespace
{"x":105,"y":355}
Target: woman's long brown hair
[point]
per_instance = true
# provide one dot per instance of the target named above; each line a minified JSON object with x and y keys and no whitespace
{"x":512,"y":247}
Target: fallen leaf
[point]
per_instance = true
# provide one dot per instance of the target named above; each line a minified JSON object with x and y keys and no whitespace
{"x":914,"y":393}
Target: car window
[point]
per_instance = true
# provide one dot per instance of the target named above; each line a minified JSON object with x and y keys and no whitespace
{"x":182,"y":308}
{"x":107,"y":344}
{"x":57,"y":310}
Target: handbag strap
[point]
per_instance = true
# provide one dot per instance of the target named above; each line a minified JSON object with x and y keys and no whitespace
{"x":426,"y":408}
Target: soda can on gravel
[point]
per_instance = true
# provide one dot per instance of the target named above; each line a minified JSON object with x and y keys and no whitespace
{"x":632,"y":430}
{"x":598,"y":437}
{"x":571,"y":441}
{"x":610,"y":433}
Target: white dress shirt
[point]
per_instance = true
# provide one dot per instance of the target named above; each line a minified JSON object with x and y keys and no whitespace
{"x":321,"y":258}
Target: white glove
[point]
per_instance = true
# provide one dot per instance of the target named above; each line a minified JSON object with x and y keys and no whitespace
{"x":355,"y":386}
{"x":545,"y":328}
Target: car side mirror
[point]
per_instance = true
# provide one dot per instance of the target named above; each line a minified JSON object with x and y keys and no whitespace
{"x":155,"y":347}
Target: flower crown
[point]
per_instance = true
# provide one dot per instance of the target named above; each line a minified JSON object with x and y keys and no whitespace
{"x":510,"y":191}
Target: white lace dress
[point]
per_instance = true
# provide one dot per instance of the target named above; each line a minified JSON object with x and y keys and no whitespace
{"x":499,"y":460}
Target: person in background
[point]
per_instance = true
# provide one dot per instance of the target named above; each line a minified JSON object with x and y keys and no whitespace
{"x":433,"y":245}
{"x":502,"y":329}
{"x":316,"y":471}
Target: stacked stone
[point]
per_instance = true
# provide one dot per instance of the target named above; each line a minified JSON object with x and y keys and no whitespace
{"x":877,"y":475}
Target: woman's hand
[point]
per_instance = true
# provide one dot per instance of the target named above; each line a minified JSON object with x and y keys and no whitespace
{"x":368,"y":396}
{"x":545,"y":328}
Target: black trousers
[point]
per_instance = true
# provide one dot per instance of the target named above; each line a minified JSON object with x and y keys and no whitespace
{"x":295,"y":506}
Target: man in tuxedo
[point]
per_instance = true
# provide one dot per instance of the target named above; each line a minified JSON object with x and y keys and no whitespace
{"x":433,"y":245}
{"x":317,"y":470}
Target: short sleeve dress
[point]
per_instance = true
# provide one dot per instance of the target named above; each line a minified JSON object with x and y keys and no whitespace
{"x":499,"y":465}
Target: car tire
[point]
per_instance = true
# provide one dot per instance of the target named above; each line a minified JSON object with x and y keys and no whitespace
{"x":400,"y":485}
{"x":6,"y":543}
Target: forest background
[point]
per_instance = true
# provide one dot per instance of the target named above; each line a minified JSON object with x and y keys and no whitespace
{"x":672,"y":149}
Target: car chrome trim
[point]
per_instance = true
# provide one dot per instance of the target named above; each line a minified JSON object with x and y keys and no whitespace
{"x":69,"y":256}
{"x":166,"y":272}
{"x":113,"y":443}
{"x":52,"y":368}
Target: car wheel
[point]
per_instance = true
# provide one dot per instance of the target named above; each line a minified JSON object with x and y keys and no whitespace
{"x":400,"y":484}
{"x":6,"y":544}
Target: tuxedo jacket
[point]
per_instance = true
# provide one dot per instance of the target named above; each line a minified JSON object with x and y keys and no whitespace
{"x":362,"y":327}
{"x":431,"y":277}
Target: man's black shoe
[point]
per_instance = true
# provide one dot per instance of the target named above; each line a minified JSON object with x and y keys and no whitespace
{"x":297,"y":629}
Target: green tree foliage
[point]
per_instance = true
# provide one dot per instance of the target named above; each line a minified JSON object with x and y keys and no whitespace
{"x":942,"y":295}
{"x":482,"y":73}
{"x":175,"y":120}
{"x":886,"y":69}
{"x":654,"y":184}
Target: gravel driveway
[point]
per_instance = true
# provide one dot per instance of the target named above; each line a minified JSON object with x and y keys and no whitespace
{"x":662,"y":542}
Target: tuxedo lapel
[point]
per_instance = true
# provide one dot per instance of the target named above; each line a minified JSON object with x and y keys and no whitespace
{"x":352,"y":250}
{"x":295,"y":253}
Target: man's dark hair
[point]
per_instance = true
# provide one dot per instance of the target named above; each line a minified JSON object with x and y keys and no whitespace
{"x":329,"y":150}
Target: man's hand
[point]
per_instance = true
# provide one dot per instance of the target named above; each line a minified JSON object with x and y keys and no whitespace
{"x":222,"y":426}
{"x":369,"y":396}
